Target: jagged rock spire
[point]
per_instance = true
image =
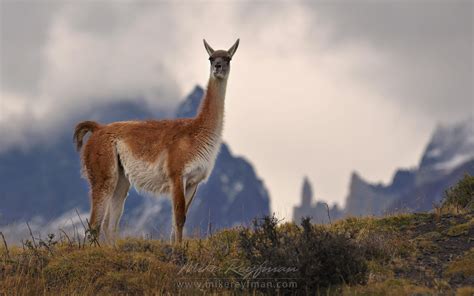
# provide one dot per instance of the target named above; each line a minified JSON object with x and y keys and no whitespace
{"x":306,"y":193}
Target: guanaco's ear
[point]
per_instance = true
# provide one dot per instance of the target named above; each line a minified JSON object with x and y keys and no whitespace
{"x":232,"y":50}
{"x":209,"y":49}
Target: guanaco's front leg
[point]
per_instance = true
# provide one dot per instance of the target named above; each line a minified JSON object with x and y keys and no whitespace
{"x":179,"y":208}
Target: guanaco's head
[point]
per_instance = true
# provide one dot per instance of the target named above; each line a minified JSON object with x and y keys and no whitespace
{"x":220,"y":60}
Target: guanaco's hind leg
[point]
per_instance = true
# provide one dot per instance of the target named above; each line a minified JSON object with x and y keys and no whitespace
{"x":97,"y":212}
{"x":115,"y":206}
{"x":101,"y":167}
{"x":99,"y":204}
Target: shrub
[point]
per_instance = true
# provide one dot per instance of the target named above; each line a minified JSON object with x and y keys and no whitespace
{"x":461,"y":195}
{"x":321,"y":259}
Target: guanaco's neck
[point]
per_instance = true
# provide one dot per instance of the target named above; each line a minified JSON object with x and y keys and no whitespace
{"x":211,"y":111}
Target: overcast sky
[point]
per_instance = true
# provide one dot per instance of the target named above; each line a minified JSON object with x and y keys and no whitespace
{"x":318,"y":89}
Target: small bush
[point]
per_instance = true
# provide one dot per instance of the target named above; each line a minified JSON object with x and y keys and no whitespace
{"x":321,"y":259}
{"x":461,"y":195}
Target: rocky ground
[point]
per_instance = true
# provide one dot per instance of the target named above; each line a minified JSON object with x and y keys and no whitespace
{"x":442,"y":244}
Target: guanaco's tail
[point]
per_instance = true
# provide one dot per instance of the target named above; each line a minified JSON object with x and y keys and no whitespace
{"x":82,"y":128}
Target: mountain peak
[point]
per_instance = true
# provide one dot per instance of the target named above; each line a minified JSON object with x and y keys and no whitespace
{"x":189,"y":107}
{"x":306,"y":192}
{"x":448,"y":156}
{"x":450,"y":146}
{"x":356,"y":178}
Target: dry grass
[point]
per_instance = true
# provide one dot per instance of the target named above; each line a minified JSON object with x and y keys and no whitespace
{"x":394,"y":254}
{"x":390,"y":287}
{"x":460,"y":229}
{"x":463,"y":265}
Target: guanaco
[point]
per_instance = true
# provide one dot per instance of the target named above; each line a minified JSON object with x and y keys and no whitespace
{"x":155,"y":156}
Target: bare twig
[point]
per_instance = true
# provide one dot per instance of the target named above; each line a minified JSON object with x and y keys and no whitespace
{"x":80,"y":219}
{"x":329,"y":216}
{"x":42,"y":243}
{"x":67,"y":236}
{"x":84,"y":226}
{"x":209,"y":224}
{"x":31,"y":234}
{"x":438,"y":211}
{"x":76,"y":233}
{"x":6,"y":246}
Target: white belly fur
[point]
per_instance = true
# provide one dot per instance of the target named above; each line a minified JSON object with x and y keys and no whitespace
{"x":145,"y":176}
{"x":154,"y":178}
{"x":201,"y":167}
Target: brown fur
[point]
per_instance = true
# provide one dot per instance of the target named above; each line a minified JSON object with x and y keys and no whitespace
{"x":81,"y":130}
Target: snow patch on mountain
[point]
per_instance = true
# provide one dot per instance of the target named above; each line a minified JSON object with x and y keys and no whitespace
{"x":453,"y":162}
{"x":450,"y":146}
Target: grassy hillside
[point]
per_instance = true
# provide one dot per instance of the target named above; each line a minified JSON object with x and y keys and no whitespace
{"x":396,"y":255}
{"x":405,"y":254}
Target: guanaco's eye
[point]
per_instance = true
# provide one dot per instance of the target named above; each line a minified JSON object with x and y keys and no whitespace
{"x":211,"y":59}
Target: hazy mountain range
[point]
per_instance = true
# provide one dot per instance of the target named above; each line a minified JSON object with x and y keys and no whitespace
{"x":448,"y":156}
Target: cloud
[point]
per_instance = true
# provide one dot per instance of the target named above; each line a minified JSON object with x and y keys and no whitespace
{"x":24,"y":29}
{"x":428,"y":48}
{"x":81,"y":60}
{"x":318,"y":89}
